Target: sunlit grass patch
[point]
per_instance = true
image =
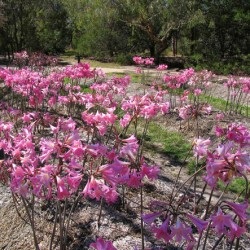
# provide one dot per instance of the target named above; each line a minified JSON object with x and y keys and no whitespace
{"x":222,"y":104}
{"x":175,"y":146}
{"x":237,"y":186}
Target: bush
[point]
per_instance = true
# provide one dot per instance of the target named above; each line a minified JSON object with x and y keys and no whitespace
{"x":124,"y":59}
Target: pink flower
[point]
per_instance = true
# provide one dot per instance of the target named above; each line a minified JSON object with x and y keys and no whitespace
{"x":219,"y":116}
{"x":163,"y":232}
{"x":132,"y":179}
{"x":239,"y":208}
{"x":186,"y":112}
{"x":201,"y":225}
{"x":221,"y":222}
{"x":197,"y":92}
{"x":162,"y":67}
{"x":151,"y":172}
{"x":149,"y":61}
{"x":62,"y":189}
{"x":200,"y":147}
{"x":181,"y":231}
{"x":138,"y":70}
{"x":93,"y":189}
{"x":125,"y":120}
{"x":235,"y":231}
{"x":102,"y":244}
{"x":138,"y":60}
{"x":149,"y":218}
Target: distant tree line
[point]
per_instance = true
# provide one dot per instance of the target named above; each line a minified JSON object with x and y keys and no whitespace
{"x":203,"y":30}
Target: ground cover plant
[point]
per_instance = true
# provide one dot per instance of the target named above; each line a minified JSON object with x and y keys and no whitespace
{"x":61,"y":147}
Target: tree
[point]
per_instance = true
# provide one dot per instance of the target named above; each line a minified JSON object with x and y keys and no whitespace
{"x":222,"y":29}
{"x":97,"y":30}
{"x":33,"y":25}
{"x":52,"y":27}
{"x":158,"y":20}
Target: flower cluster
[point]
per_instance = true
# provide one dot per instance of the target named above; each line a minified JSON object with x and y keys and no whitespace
{"x":229,"y":220}
{"x":35,"y":59}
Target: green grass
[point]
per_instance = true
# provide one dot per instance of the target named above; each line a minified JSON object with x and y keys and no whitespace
{"x":69,"y":56}
{"x":174,"y":144}
{"x":236,"y":186}
{"x":135,"y":78}
{"x":191,"y":166}
{"x":221,"y":104}
{"x":86,"y":89}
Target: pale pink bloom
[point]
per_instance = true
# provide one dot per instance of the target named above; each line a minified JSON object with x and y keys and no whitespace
{"x":219,"y":116}
{"x":129,"y":149}
{"x":138,"y":60}
{"x":163,"y":232}
{"x":200,"y":224}
{"x":93,"y":189}
{"x":197,"y":92}
{"x":162,"y":67}
{"x":73,"y":181}
{"x":221,"y":222}
{"x":110,"y":174}
{"x":239,"y":208}
{"x":62,"y":188}
{"x":207,"y":109}
{"x":164,"y":107}
{"x":125,"y":120}
{"x":149,"y":61}
{"x":109,"y":193}
{"x":102,"y":244}
{"x":150,"y":171}
{"x":200,"y":147}
{"x":186,"y":112}
{"x":150,"y":218}
{"x":181,"y":231}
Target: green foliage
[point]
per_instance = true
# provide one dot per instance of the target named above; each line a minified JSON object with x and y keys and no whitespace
{"x":216,"y":37}
{"x":237,"y":186}
{"x":124,"y":59}
{"x":191,"y":166}
{"x":235,"y":65}
{"x":222,"y":104}
{"x":34,"y":25}
{"x":135,"y":78}
{"x":175,"y":146}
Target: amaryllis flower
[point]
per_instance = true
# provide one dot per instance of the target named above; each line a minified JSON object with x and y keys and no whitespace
{"x":197,"y":92}
{"x":138,"y":59}
{"x":180,"y":231}
{"x":129,"y":148}
{"x":163,"y":232}
{"x":221,"y":222}
{"x":162,"y":67}
{"x":62,"y":188}
{"x":200,"y":224}
{"x":132,"y":179}
{"x":96,"y":189}
{"x":150,"y":218}
{"x":200,"y":147}
{"x":102,"y":244}
{"x":93,"y":189}
{"x":150,"y":171}
{"x":239,"y":208}
{"x":125,"y":120}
